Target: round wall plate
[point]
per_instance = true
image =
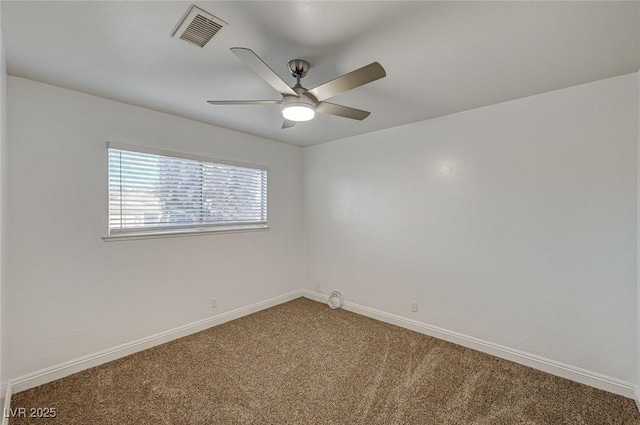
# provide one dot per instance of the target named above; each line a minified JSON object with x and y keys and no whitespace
{"x":335,"y":300}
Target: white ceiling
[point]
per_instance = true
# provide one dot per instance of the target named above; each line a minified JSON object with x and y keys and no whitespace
{"x":440,"y":57}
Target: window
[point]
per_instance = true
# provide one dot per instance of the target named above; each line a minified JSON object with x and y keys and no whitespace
{"x":154,"y":193}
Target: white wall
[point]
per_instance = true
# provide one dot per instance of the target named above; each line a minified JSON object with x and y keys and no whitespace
{"x":3,"y":156}
{"x":637,"y":353}
{"x":73,"y":294}
{"x":514,"y":223}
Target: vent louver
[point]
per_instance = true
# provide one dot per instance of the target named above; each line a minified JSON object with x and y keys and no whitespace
{"x":198,"y":27}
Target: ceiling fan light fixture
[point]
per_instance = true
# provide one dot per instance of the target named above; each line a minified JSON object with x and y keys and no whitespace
{"x":298,"y":112}
{"x":298,"y":108}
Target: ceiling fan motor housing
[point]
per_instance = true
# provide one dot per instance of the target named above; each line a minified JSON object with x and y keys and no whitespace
{"x":303,"y":98}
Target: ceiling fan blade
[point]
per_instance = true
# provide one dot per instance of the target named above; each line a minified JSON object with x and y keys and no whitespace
{"x":244,"y":102}
{"x":342,"y":111}
{"x":288,"y":123}
{"x":263,"y":70}
{"x":349,"y":81}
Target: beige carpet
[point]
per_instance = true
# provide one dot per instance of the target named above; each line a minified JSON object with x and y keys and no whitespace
{"x":303,"y":363}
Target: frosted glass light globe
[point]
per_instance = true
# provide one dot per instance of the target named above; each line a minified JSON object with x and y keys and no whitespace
{"x":298,"y":112}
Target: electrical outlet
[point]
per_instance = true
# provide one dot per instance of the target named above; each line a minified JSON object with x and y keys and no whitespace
{"x":214,"y":302}
{"x":414,"y":306}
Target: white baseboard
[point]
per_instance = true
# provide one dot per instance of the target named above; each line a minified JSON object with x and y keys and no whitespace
{"x":65,"y":369}
{"x":553,"y":367}
{"x":636,"y":397}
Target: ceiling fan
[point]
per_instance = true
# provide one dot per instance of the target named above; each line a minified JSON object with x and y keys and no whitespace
{"x":300,"y":104}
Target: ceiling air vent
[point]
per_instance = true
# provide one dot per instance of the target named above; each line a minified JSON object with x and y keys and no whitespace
{"x":198,"y":27}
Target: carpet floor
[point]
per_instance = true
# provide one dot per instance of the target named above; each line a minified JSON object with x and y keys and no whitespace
{"x":305,"y":364}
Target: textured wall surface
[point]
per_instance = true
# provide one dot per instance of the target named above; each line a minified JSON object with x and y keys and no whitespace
{"x":73,"y":294}
{"x":514,"y":223}
{"x":3,"y":182}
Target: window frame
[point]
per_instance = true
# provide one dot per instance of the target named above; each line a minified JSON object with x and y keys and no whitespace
{"x":185,"y":230}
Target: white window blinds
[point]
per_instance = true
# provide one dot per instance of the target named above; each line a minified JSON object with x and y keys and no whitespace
{"x":151,"y":192}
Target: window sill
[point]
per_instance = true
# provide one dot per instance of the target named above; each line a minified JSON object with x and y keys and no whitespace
{"x":178,"y":233}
